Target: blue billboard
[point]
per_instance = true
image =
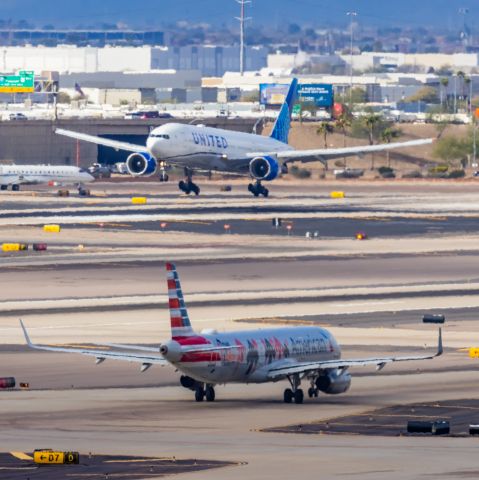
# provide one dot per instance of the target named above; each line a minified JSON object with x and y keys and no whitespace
{"x":319,"y":94}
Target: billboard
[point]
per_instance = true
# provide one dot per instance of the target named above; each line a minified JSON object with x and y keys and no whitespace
{"x":272,"y":93}
{"x":24,"y":82}
{"x":319,"y":94}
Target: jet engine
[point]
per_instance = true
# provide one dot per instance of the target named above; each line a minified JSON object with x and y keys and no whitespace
{"x":333,"y":382}
{"x":139,"y":164}
{"x":264,"y":168}
{"x":189,"y":383}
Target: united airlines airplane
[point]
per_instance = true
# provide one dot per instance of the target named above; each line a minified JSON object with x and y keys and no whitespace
{"x":15,"y":175}
{"x":200,"y":148}
{"x":256,"y":356}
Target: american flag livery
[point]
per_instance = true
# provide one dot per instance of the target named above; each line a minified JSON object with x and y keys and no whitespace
{"x":180,"y":322}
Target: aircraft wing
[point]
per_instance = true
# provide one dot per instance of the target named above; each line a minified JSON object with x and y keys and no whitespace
{"x":325,"y":154}
{"x":100,"y":355}
{"x":306,"y":367}
{"x":129,"y":147}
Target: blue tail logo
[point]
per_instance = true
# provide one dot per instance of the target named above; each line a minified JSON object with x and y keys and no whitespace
{"x":283,"y":122}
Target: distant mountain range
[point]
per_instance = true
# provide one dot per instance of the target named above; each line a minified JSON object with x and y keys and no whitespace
{"x":443,"y":13}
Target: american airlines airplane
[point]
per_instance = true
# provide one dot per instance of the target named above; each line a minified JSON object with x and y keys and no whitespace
{"x":256,"y":356}
{"x":201,"y":148}
{"x":15,"y":175}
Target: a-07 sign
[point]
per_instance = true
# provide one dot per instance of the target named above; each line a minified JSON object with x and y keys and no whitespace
{"x":48,"y":457}
{"x":24,"y":82}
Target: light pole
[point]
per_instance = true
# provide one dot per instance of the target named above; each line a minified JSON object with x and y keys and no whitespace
{"x":351,"y":16}
{"x":242,"y":19}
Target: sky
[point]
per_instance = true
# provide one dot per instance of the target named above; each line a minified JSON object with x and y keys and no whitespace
{"x":216,"y":12}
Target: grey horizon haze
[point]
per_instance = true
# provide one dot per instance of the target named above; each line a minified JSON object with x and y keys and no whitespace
{"x":151,"y":13}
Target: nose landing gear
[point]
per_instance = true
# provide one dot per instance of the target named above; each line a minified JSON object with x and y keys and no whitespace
{"x":163,"y":176}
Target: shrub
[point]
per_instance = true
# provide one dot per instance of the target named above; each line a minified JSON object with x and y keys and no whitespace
{"x":413,"y":174}
{"x":457,"y":174}
{"x":300,"y":172}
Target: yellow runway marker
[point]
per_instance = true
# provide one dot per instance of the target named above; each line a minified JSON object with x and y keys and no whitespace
{"x":21,"y":456}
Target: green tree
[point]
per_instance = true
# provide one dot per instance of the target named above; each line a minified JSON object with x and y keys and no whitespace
{"x":451,"y":149}
{"x":358,"y":95}
{"x":424,"y":94}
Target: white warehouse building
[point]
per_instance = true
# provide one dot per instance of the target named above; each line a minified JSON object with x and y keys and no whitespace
{"x":210,"y":60}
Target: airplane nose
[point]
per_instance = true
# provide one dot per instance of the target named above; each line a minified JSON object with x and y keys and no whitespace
{"x":150,"y":144}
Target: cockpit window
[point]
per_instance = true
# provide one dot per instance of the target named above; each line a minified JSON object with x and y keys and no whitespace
{"x":166,"y":137}
{"x":83,"y":170}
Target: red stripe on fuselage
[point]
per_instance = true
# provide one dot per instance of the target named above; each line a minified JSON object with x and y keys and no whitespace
{"x":196,"y":357}
{"x":192,"y":340}
{"x":171,"y":284}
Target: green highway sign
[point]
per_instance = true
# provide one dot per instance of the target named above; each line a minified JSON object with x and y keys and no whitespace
{"x":296,"y":109}
{"x":24,"y":82}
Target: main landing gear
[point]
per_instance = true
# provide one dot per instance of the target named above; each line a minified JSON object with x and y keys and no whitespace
{"x":83,"y":192}
{"x":294,"y":393}
{"x":187,"y":185}
{"x":257,"y":189}
{"x":202,"y":392}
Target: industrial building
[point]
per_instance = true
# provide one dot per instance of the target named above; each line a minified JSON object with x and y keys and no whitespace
{"x":208,"y":59}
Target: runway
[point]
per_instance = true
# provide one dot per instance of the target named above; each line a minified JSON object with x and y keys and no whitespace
{"x":422,"y":257}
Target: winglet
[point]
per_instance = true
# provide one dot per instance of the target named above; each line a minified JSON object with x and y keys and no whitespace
{"x":440,"y":350}
{"x":25,"y":333}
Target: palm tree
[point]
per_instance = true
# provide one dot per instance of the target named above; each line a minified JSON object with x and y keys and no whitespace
{"x":342,"y":123}
{"x":468,"y":84}
{"x":444,"y":84}
{"x":386,"y":136}
{"x":371,"y":121}
{"x":460,"y":74}
{"x":324,"y":129}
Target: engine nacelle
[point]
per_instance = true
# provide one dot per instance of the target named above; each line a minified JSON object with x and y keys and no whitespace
{"x":334,"y":383}
{"x":264,"y":168}
{"x":189,"y":383}
{"x":139,"y":164}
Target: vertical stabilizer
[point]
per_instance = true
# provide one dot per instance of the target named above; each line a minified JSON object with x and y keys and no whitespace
{"x":180,"y":322}
{"x":283,"y":122}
